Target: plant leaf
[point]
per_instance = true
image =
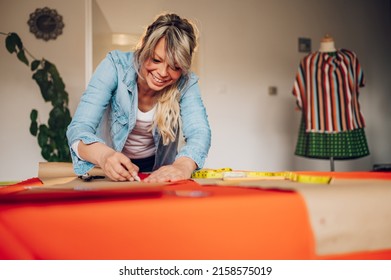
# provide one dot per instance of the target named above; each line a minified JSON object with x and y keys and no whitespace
{"x":17,"y":40}
{"x":44,"y":128}
{"x":56,"y":118}
{"x":46,"y":152}
{"x":35,"y":64}
{"x":40,"y":76}
{"x":33,"y":115}
{"x":11,"y":42}
{"x":42,"y":138}
{"x":22,"y":57}
{"x":34,"y":128}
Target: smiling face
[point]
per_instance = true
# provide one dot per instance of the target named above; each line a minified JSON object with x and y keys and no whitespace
{"x":156,"y":72}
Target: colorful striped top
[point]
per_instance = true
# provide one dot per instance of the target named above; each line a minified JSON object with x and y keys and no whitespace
{"x":327,"y":89}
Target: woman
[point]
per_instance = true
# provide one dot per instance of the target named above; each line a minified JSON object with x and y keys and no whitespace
{"x":130,"y":116}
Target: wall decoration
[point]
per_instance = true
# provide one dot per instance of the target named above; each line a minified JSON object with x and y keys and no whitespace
{"x":45,"y":24}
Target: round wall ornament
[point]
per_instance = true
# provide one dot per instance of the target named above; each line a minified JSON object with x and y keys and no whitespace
{"x":45,"y":23}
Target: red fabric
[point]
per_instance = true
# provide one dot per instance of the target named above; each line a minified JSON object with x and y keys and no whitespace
{"x":20,"y":186}
{"x":228,"y":223}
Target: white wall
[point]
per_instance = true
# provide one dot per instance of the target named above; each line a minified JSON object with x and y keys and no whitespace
{"x":245,"y":47}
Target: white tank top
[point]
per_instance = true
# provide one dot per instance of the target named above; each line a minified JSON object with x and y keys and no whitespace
{"x":139,"y":143}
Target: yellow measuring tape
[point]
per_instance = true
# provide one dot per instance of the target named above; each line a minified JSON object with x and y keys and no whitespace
{"x":230,"y":174}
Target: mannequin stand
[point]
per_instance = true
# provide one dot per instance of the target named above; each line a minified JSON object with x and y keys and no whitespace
{"x":331,"y":164}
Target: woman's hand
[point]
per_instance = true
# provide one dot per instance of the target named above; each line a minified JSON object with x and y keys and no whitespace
{"x":118,"y":167}
{"x":181,"y":169}
{"x":115,"y":165}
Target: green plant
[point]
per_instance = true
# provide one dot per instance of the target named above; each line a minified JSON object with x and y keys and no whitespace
{"x":51,"y":137}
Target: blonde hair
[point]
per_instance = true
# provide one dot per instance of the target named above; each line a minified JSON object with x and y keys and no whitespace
{"x":181,"y":40}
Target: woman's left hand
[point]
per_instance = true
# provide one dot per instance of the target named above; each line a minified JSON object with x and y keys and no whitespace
{"x":181,"y":169}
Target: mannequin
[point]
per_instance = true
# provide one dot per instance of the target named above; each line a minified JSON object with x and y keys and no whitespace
{"x":327,"y":44}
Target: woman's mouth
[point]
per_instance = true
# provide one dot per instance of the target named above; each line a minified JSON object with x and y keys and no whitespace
{"x":157,"y":80}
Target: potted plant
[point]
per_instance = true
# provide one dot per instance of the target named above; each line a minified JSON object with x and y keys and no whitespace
{"x":51,"y":137}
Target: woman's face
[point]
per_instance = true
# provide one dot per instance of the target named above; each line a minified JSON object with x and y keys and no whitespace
{"x":156,"y":72}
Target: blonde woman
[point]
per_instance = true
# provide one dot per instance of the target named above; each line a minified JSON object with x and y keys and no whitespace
{"x":130,"y":116}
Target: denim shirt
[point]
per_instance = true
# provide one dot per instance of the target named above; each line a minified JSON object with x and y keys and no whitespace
{"x":107,"y":114}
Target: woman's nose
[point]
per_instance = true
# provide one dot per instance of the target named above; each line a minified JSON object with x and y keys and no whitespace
{"x":163,"y":70}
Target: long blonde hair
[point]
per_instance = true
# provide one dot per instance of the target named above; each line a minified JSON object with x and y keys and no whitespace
{"x":181,"y":40}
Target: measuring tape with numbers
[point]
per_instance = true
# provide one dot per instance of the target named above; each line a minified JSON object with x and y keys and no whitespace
{"x":229,"y":174}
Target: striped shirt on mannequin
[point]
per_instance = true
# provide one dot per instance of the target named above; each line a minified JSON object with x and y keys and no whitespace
{"x":327,"y":90}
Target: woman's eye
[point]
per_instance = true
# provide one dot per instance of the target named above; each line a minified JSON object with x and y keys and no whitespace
{"x":155,"y":60}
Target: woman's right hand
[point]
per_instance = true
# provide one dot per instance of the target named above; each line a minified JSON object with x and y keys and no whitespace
{"x":118,"y":167}
{"x":115,"y":165}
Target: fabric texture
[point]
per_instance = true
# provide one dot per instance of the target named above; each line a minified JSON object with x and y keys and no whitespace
{"x":343,"y":145}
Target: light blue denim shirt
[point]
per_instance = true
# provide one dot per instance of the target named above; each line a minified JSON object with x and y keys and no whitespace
{"x":107,"y":113}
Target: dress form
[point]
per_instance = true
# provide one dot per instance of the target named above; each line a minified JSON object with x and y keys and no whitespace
{"x":327,"y":44}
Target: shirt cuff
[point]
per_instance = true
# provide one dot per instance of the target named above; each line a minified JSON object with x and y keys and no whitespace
{"x":75,"y":148}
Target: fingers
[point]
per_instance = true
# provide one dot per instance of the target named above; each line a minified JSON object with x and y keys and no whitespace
{"x":118,"y":167}
{"x":117,"y":173}
{"x":166,"y":173}
{"x":131,"y":168}
{"x":181,"y":169}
